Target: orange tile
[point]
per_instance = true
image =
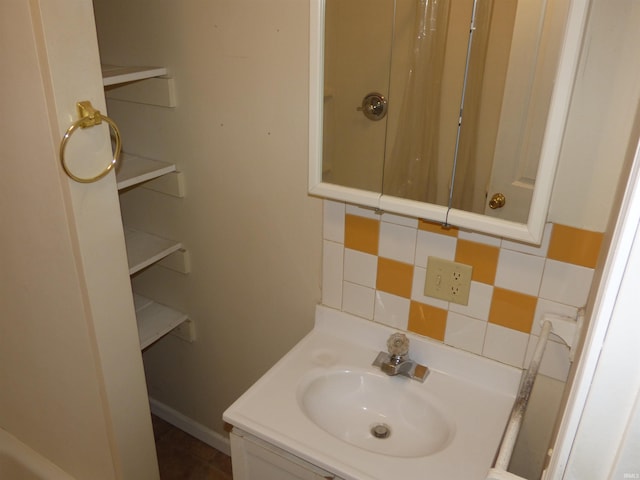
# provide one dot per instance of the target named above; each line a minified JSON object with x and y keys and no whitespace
{"x":512,"y":309}
{"x":427,"y":320}
{"x":394,"y":277}
{"x":573,"y":245}
{"x":361,"y":234}
{"x":437,"y":228}
{"x":483,"y":259}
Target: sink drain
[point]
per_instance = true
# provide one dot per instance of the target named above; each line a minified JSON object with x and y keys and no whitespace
{"x":381,"y":430}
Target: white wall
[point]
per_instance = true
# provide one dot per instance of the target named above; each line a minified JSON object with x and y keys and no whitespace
{"x":598,"y":135}
{"x":602,"y":110}
{"x":598,"y":436}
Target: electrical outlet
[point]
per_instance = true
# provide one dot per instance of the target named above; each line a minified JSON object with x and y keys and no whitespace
{"x":448,"y":280}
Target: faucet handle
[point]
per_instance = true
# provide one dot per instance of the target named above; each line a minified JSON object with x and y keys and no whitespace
{"x":398,"y":344}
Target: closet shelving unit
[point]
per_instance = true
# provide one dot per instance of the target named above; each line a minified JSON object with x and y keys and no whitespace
{"x":143,"y":249}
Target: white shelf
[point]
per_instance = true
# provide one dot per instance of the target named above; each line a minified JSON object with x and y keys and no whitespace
{"x":114,"y":74}
{"x":144,"y":249}
{"x":154,"y":320}
{"x":134,"y":170}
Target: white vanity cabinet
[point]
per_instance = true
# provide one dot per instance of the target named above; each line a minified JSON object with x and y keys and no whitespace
{"x":255,"y":459}
{"x":144,"y":249}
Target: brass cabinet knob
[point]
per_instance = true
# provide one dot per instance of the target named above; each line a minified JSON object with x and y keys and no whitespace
{"x":497,"y":201}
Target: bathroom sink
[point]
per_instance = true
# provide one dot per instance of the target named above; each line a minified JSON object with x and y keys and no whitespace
{"x":326,"y":404}
{"x":388,"y":415}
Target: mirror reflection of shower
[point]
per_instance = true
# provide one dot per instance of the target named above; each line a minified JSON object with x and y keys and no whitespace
{"x":419,"y":53}
{"x":357,"y":59}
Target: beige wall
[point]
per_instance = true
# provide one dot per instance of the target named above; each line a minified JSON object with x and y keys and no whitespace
{"x":68,"y":346}
{"x":45,"y":342}
{"x":239,"y":134}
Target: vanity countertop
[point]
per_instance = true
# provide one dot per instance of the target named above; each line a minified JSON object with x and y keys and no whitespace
{"x":475,"y":393}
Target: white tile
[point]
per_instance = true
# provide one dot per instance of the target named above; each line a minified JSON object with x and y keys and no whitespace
{"x":519,"y":272}
{"x":332,"y":255}
{"x":539,"y":250}
{"x":399,"y":220}
{"x":505,"y":345}
{"x":417,"y":290}
{"x":362,"y":212}
{"x":358,"y":300}
{"x":392,"y":310}
{"x":566,"y":283}
{"x":479,"y":238}
{"x":479,"y":305}
{"x":465,"y":333}
{"x":555,"y":359}
{"x":397,"y":242}
{"x":548,"y":306}
{"x":360,"y":268}
{"x":333,"y":221}
{"x":431,"y":244}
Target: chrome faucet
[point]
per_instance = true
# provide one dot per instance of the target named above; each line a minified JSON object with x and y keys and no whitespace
{"x":397,"y":361}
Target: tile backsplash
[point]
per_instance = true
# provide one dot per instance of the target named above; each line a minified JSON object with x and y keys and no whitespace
{"x":374,"y":266}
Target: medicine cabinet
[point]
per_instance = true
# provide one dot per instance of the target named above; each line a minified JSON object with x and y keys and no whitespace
{"x":509,"y":64}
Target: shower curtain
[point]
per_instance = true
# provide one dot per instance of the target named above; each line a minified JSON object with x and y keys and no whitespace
{"x":413,"y":163}
{"x":410,"y":171}
{"x":469,"y":189}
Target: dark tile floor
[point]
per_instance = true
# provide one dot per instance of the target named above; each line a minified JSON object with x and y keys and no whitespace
{"x":183,"y":457}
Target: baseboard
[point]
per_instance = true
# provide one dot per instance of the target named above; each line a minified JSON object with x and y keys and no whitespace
{"x":193,"y":428}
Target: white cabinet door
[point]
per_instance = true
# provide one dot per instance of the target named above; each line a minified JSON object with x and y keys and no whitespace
{"x":519,"y":143}
{"x":254,"y":459}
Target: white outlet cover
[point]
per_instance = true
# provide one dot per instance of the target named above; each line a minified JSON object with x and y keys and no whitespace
{"x":447,"y":280}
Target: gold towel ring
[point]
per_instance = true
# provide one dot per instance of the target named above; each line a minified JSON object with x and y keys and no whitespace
{"x":90,"y":117}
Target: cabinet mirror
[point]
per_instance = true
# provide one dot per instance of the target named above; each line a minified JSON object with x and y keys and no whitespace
{"x":448,"y":110}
